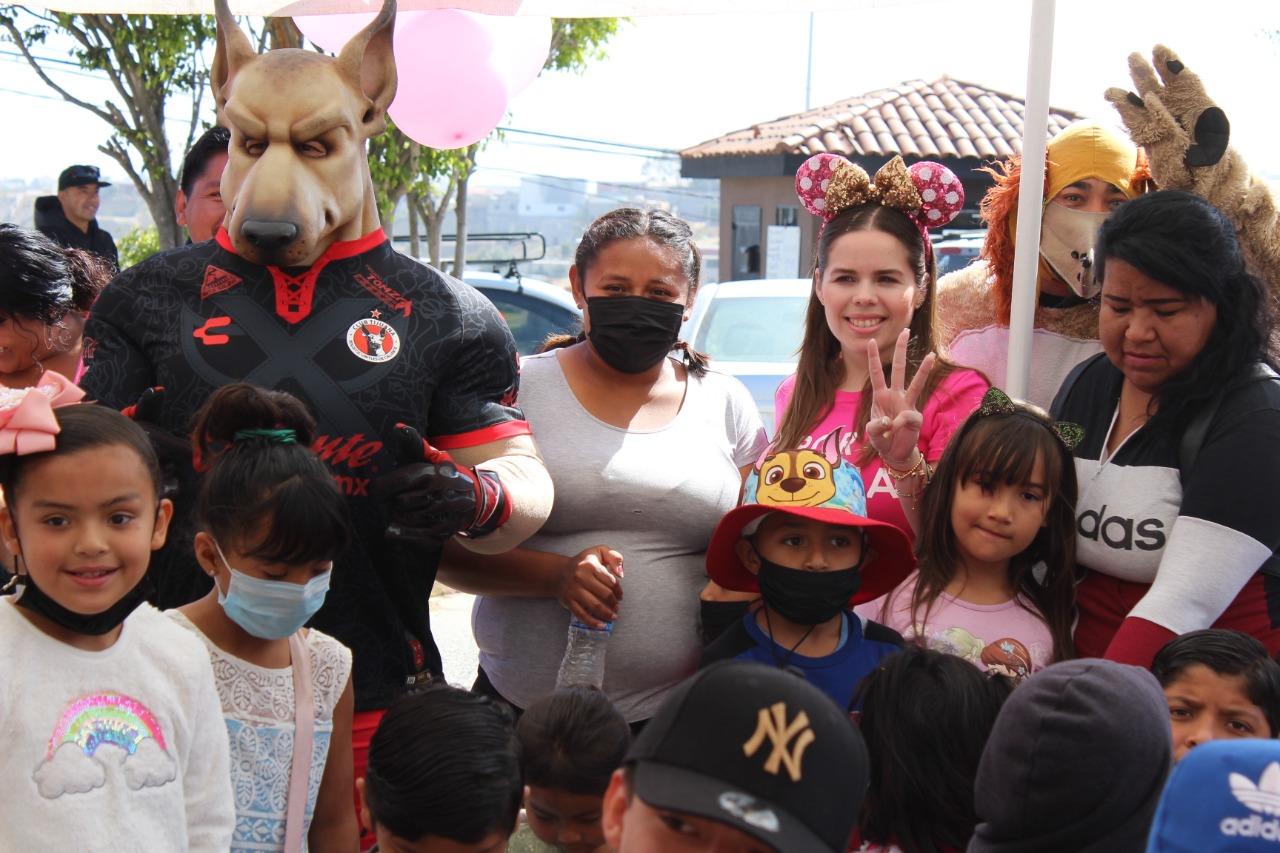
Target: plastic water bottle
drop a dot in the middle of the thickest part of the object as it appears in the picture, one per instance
(583, 664)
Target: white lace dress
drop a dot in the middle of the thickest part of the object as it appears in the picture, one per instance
(257, 704)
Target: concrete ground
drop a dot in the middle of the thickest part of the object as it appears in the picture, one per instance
(451, 627)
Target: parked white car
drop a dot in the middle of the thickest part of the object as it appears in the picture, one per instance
(751, 330)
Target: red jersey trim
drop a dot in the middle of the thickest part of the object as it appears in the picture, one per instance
(294, 294)
(476, 437)
(224, 240)
(336, 252)
(1137, 641)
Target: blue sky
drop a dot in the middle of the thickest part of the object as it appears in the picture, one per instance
(670, 82)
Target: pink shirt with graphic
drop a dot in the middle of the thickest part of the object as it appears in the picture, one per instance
(953, 400)
(1010, 638)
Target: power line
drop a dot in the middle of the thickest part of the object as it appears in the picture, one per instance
(670, 152)
(76, 68)
(562, 147)
(681, 192)
(608, 197)
(55, 60)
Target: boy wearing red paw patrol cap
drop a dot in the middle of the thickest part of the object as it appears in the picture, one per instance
(801, 539)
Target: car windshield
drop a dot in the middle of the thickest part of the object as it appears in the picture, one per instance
(763, 328)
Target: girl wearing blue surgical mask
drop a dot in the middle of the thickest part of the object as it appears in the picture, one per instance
(271, 523)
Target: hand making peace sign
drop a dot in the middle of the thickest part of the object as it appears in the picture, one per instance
(894, 426)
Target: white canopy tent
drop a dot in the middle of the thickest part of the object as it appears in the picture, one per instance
(1035, 124)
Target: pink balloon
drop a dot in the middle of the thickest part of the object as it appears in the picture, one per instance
(332, 32)
(449, 94)
(520, 47)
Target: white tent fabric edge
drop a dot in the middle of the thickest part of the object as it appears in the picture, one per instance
(542, 8)
(1026, 252)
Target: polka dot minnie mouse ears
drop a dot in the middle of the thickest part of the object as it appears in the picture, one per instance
(928, 193)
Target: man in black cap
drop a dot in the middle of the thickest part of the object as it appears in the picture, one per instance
(744, 758)
(68, 218)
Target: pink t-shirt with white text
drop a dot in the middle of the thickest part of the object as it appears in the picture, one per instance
(1010, 638)
(953, 400)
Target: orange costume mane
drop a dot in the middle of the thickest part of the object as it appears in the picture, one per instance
(999, 209)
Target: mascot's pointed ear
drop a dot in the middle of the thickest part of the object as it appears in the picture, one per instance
(368, 62)
(233, 51)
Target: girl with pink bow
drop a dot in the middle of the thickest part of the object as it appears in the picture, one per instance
(113, 728)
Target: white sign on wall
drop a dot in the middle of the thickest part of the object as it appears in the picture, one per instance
(783, 254)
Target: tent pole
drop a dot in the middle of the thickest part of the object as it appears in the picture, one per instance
(1026, 261)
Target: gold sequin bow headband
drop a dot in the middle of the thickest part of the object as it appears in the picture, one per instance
(928, 193)
(996, 402)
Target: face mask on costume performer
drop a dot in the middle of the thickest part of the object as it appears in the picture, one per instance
(807, 598)
(271, 610)
(1066, 243)
(631, 333)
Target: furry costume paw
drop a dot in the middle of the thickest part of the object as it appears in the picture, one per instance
(1170, 99)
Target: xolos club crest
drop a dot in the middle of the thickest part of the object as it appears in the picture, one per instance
(373, 340)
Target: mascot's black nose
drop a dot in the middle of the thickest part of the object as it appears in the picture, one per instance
(269, 236)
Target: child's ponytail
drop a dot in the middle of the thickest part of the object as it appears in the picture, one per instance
(266, 490)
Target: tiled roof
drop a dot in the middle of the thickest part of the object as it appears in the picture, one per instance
(945, 118)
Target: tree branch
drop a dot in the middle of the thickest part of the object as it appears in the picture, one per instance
(18, 40)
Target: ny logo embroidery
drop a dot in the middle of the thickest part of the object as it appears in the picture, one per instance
(772, 724)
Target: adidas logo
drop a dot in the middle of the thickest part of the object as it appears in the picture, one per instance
(1263, 797)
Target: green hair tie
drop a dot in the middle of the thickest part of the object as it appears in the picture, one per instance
(275, 436)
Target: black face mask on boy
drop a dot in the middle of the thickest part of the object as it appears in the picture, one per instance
(807, 598)
(631, 333)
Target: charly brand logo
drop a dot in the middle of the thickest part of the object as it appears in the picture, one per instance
(749, 810)
(1119, 532)
(1263, 797)
(373, 340)
(789, 740)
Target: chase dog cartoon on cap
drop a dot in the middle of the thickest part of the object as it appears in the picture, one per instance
(810, 477)
(297, 174)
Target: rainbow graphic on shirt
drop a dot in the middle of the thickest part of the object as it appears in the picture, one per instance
(101, 737)
(102, 718)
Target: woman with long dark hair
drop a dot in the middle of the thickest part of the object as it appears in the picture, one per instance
(1179, 469)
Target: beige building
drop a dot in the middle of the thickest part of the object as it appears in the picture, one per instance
(961, 125)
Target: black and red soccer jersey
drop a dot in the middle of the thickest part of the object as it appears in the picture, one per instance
(368, 338)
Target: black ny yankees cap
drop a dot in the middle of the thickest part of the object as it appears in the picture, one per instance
(759, 749)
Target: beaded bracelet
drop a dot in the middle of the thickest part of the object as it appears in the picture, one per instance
(915, 469)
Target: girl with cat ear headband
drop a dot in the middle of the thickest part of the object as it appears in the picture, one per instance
(872, 304)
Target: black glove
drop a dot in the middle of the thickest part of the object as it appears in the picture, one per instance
(431, 497)
(174, 451)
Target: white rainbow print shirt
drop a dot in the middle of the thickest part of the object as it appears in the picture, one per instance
(101, 734)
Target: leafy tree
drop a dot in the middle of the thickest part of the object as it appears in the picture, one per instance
(136, 245)
(577, 42)
(148, 59)
(426, 178)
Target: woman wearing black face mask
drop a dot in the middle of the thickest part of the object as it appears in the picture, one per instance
(646, 453)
